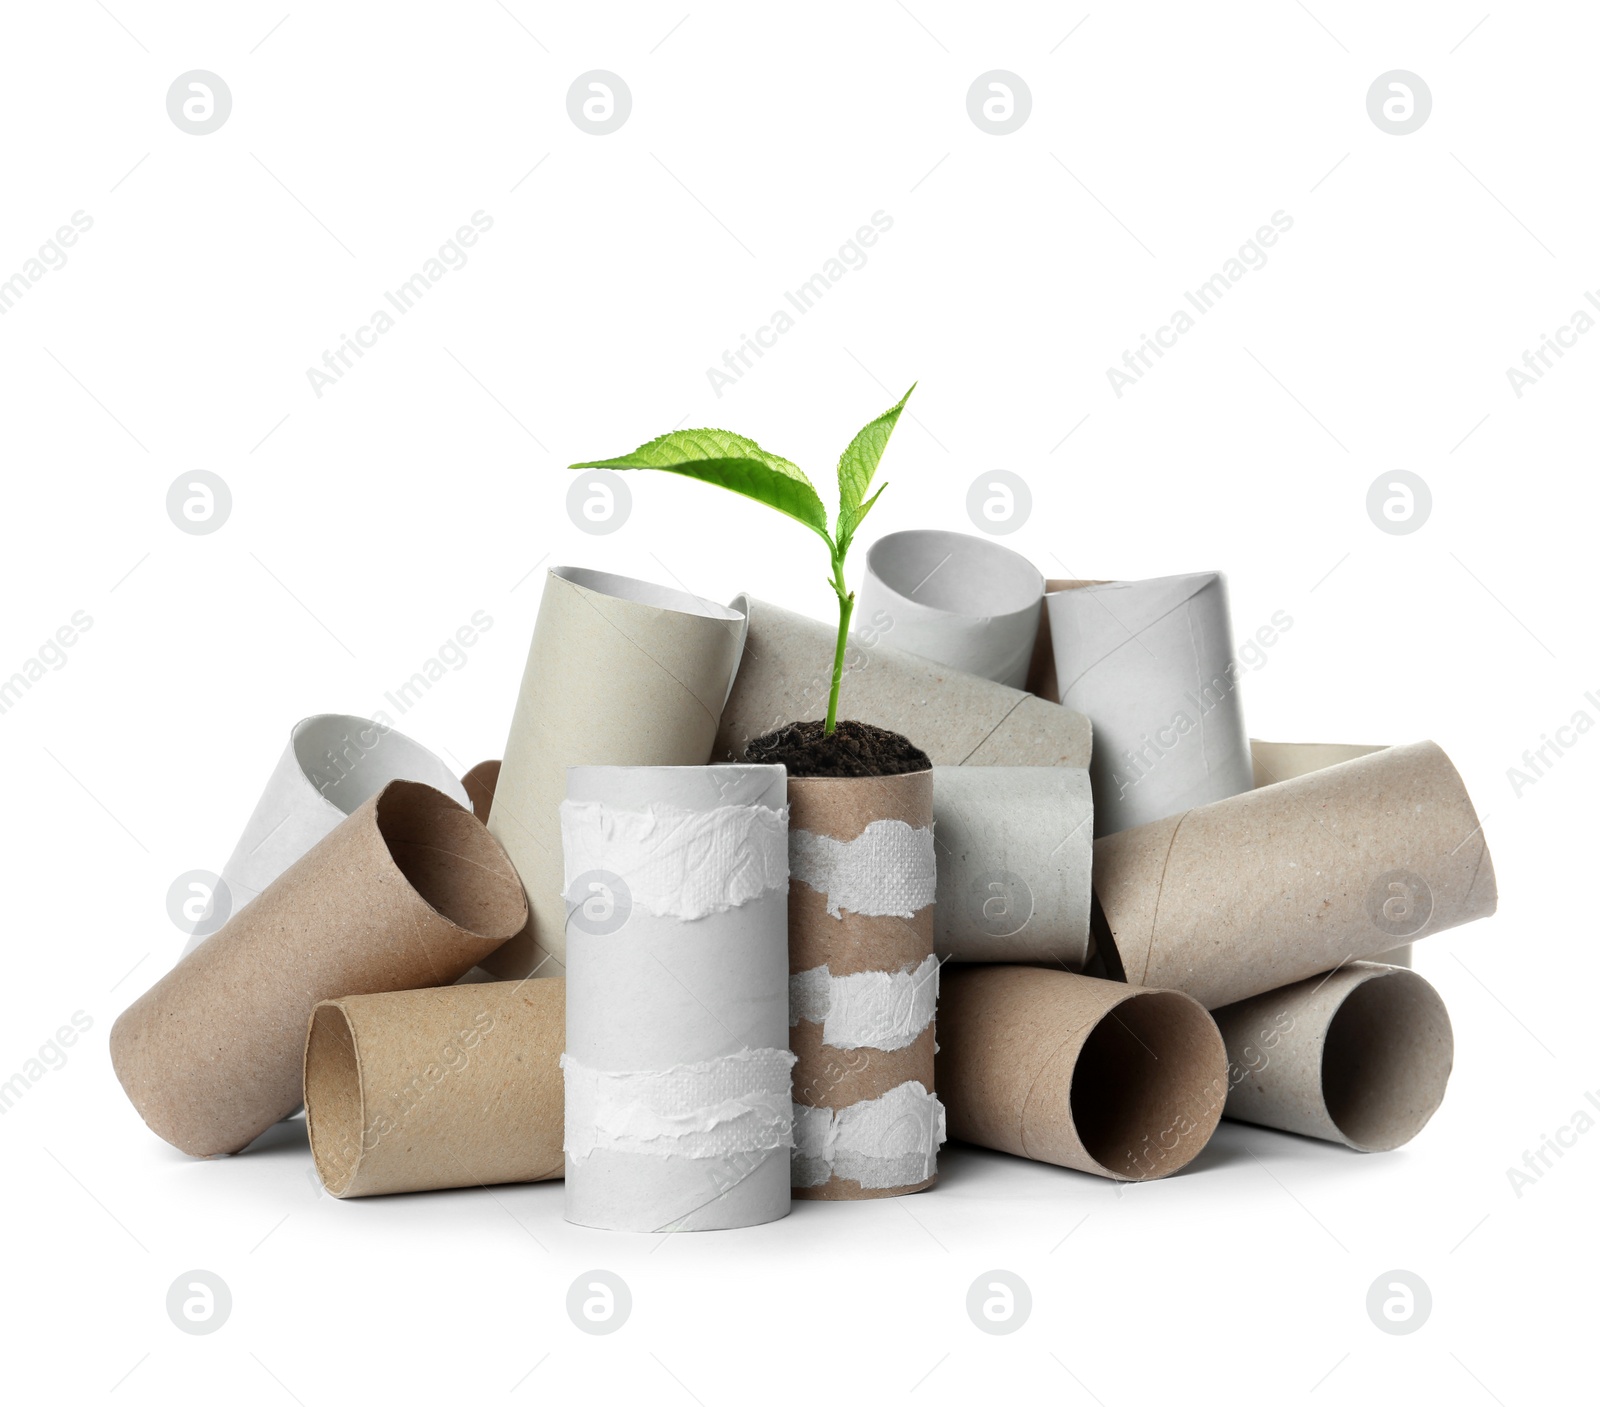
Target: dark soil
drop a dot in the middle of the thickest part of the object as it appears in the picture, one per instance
(851, 750)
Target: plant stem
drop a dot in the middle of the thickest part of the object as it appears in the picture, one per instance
(847, 601)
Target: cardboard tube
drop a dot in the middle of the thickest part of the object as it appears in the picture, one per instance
(409, 891)
(1280, 762)
(959, 600)
(439, 1087)
(1298, 878)
(1151, 663)
(333, 762)
(861, 897)
(1123, 1082)
(1360, 1057)
(620, 672)
(957, 719)
(1015, 849)
(479, 785)
(678, 1112)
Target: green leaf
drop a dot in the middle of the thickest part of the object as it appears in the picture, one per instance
(731, 462)
(859, 463)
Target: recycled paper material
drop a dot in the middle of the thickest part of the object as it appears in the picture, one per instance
(678, 1113)
(479, 785)
(1359, 1057)
(439, 1087)
(853, 940)
(1278, 762)
(959, 600)
(1151, 664)
(409, 891)
(955, 718)
(1015, 847)
(332, 764)
(1276, 885)
(1124, 1082)
(620, 672)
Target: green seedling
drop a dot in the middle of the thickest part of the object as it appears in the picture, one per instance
(734, 462)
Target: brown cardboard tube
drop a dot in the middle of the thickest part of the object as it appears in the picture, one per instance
(1360, 1057)
(957, 719)
(479, 784)
(855, 924)
(1278, 762)
(441, 1087)
(410, 890)
(1272, 886)
(1127, 1083)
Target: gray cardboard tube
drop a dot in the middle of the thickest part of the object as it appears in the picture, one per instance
(1280, 762)
(957, 719)
(1360, 1057)
(1152, 665)
(1014, 846)
(962, 601)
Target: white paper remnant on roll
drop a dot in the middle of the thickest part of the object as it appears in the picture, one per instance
(887, 870)
(880, 1010)
(890, 1141)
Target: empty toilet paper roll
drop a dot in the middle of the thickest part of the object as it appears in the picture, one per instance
(1359, 1057)
(408, 891)
(1276, 885)
(677, 1071)
(439, 1087)
(959, 600)
(479, 785)
(863, 985)
(620, 672)
(1279, 762)
(1151, 664)
(1015, 847)
(333, 763)
(956, 718)
(1124, 1082)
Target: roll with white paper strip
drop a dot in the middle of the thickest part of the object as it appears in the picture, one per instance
(879, 1144)
(863, 984)
(1152, 664)
(956, 599)
(333, 762)
(678, 1113)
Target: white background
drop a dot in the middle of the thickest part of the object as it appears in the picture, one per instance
(428, 483)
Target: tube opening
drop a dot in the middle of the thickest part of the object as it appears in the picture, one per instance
(1149, 1085)
(1386, 1060)
(335, 1117)
(956, 572)
(448, 856)
(348, 759)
